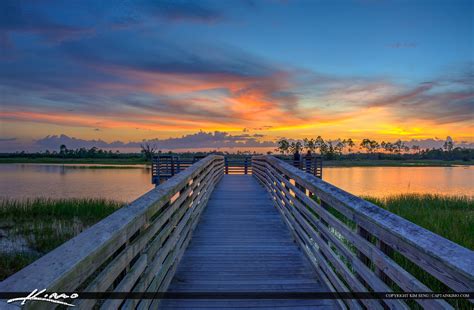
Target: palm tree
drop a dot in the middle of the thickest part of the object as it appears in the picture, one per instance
(309, 145)
(349, 143)
(369, 145)
(283, 146)
(295, 147)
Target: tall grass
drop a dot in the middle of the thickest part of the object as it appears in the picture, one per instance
(44, 224)
(449, 216)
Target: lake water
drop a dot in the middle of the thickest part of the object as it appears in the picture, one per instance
(59, 181)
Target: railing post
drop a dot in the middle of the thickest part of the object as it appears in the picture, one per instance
(385, 248)
(245, 165)
(364, 259)
(226, 165)
(308, 163)
(172, 166)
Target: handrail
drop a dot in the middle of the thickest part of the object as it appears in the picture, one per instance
(354, 244)
(137, 248)
(166, 166)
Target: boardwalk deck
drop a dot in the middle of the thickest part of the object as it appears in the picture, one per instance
(241, 244)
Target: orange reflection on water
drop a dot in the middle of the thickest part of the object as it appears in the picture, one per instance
(384, 181)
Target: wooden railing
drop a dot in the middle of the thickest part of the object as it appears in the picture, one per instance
(166, 166)
(311, 164)
(239, 165)
(135, 249)
(359, 247)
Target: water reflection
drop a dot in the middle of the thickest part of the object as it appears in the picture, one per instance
(383, 181)
(58, 181)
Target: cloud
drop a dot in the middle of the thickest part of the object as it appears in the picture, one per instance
(179, 10)
(437, 143)
(442, 101)
(199, 140)
(34, 17)
(216, 84)
(24, 17)
(7, 139)
(127, 65)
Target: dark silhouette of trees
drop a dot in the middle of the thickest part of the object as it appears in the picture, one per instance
(283, 146)
(295, 147)
(339, 149)
(370, 145)
(148, 151)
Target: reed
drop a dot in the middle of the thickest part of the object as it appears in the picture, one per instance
(449, 216)
(42, 224)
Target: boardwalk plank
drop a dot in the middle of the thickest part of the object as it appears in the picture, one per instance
(241, 244)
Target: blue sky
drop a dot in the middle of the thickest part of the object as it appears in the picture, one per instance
(133, 70)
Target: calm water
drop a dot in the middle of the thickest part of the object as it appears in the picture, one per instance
(59, 181)
(384, 181)
(33, 180)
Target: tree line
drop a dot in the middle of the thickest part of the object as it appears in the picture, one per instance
(328, 149)
(372, 149)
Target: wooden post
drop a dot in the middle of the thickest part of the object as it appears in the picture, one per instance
(226, 166)
(364, 259)
(245, 165)
(389, 252)
(172, 165)
(157, 169)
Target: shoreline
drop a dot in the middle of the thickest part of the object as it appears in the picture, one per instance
(97, 163)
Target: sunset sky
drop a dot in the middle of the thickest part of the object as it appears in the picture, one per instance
(254, 71)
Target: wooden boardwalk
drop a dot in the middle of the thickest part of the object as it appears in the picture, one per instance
(241, 244)
(206, 231)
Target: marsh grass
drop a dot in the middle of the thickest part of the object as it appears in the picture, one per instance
(449, 216)
(45, 224)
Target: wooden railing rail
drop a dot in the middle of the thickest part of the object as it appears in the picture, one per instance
(357, 246)
(135, 249)
(311, 164)
(165, 166)
(238, 165)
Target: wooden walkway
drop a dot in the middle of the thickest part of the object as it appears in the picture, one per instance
(204, 230)
(241, 244)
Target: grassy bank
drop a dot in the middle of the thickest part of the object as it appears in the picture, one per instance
(31, 228)
(449, 216)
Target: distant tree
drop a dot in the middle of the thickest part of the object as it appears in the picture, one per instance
(349, 143)
(295, 147)
(63, 150)
(148, 151)
(320, 145)
(370, 145)
(309, 145)
(92, 151)
(399, 146)
(448, 144)
(282, 146)
(339, 147)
